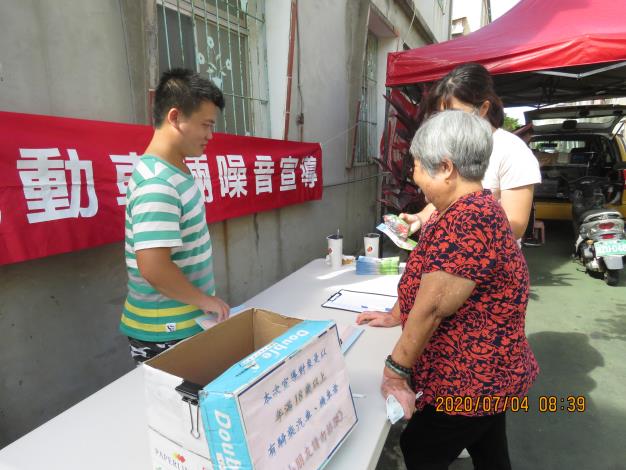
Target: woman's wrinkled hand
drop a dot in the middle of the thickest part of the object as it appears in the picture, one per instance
(394, 384)
(375, 318)
(414, 221)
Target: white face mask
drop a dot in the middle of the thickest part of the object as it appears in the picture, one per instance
(395, 412)
(394, 409)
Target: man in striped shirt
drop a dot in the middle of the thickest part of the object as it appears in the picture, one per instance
(168, 246)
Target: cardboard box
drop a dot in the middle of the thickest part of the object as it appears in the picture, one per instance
(259, 391)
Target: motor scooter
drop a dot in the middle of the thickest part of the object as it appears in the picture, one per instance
(601, 242)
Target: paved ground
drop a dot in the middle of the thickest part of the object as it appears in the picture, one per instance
(576, 326)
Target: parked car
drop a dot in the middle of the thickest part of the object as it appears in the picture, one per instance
(574, 142)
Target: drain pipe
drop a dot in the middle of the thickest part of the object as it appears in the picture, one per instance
(292, 39)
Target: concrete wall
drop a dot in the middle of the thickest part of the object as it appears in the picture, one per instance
(436, 16)
(476, 12)
(89, 59)
(68, 58)
(59, 315)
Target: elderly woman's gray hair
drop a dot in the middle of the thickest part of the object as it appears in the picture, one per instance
(463, 138)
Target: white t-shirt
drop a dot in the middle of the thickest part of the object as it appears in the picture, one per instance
(511, 165)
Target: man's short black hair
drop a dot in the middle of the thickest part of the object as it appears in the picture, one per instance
(185, 90)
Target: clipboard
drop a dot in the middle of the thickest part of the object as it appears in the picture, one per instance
(356, 301)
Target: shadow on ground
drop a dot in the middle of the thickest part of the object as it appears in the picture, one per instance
(590, 439)
(560, 440)
(549, 270)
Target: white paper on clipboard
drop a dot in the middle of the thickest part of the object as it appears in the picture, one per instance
(354, 301)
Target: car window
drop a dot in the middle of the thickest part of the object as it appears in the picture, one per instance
(579, 120)
(556, 146)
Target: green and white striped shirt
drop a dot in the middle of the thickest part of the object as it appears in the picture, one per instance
(164, 208)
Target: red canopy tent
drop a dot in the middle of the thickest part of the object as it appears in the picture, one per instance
(540, 52)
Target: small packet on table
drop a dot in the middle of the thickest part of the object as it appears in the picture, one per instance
(368, 265)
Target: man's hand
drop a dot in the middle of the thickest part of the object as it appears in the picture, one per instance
(157, 267)
(218, 306)
(395, 385)
(414, 221)
(374, 318)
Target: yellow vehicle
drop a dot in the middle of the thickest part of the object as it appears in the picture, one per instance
(576, 141)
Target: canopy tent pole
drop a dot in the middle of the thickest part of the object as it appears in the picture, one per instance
(584, 74)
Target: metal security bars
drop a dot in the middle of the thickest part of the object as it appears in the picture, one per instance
(366, 146)
(224, 41)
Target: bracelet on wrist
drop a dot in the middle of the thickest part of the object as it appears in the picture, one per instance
(405, 372)
(402, 374)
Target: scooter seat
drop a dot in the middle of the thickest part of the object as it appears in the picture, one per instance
(588, 215)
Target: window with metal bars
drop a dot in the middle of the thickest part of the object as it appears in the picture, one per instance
(366, 145)
(223, 40)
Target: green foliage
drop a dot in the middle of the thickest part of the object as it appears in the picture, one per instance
(510, 124)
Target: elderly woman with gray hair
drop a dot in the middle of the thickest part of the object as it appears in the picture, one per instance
(462, 304)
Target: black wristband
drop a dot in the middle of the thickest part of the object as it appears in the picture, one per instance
(407, 371)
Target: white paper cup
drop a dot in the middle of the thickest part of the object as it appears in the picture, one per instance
(371, 242)
(335, 250)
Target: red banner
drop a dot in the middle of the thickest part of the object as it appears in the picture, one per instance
(63, 181)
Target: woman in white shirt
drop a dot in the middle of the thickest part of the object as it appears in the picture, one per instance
(513, 169)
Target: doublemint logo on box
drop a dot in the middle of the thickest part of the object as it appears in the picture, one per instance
(227, 457)
(276, 347)
(272, 350)
(176, 460)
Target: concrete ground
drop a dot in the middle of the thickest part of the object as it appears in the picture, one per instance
(576, 326)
